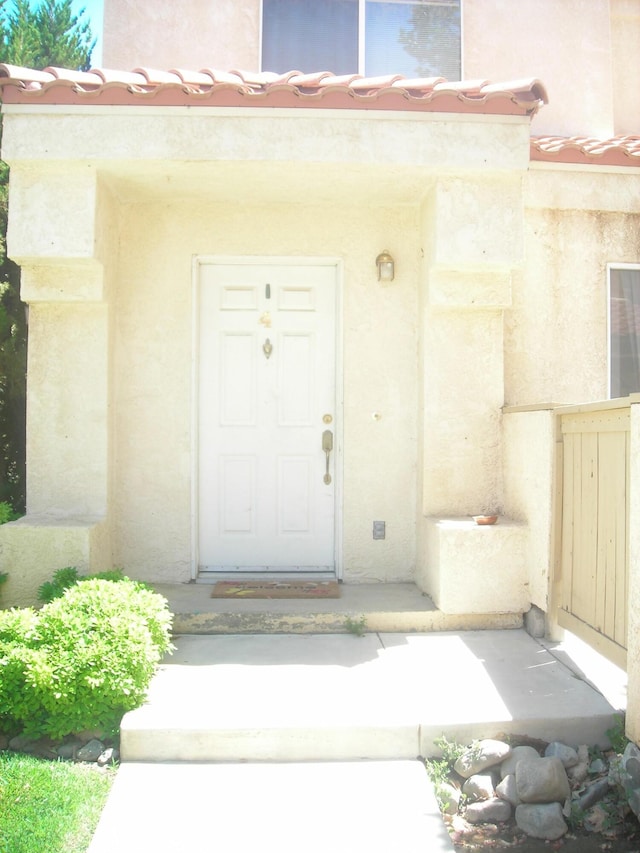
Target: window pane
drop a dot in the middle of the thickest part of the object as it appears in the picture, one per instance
(307, 35)
(624, 331)
(418, 39)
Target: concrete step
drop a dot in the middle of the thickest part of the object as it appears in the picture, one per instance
(392, 607)
(337, 697)
(200, 808)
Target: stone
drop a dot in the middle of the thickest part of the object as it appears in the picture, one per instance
(109, 756)
(579, 773)
(480, 756)
(479, 787)
(567, 754)
(508, 791)
(593, 794)
(91, 751)
(21, 743)
(541, 820)
(508, 766)
(488, 811)
(69, 750)
(542, 780)
(624, 771)
(449, 798)
(535, 622)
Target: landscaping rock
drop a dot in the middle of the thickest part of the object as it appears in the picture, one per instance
(449, 797)
(480, 756)
(488, 811)
(541, 820)
(109, 756)
(579, 773)
(479, 787)
(593, 794)
(508, 766)
(91, 751)
(508, 791)
(625, 772)
(68, 751)
(542, 780)
(567, 754)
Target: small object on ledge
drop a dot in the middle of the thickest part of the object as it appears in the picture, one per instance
(485, 519)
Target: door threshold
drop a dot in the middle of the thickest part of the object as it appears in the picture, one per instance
(214, 577)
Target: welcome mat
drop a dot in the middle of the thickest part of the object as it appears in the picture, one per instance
(276, 589)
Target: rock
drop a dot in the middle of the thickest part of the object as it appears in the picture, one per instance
(481, 755)
(4, 742)
(541, 820)
(479, 787)
(625, 772)
(535, 622)
(542, 780)
(90, 751)
(508, 791)
(597, 766)
(20, 743)
(69, 750)
(579, 773)
(566, 754)
(89, 734)
(508, 766)
(449, 798)
(593, 794)
(111, 755)
(488, 811)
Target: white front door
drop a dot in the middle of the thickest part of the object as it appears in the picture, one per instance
(267, 409)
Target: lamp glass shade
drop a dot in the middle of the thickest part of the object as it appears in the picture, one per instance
(386, 266)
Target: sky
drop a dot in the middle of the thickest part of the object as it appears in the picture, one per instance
(93, 13)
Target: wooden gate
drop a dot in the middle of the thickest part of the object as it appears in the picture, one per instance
(594, 553)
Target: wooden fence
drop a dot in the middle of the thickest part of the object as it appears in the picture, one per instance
(593, 464)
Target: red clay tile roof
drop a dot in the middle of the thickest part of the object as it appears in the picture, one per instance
(617, 151)
(212, 88)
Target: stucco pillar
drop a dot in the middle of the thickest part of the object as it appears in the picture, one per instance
(55, 214)
(473, 237)
(633, 599)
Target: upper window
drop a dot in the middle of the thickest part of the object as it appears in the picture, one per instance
(624, 330)
(415, 38)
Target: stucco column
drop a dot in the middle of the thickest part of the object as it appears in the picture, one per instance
(55, 217)
(473, 237)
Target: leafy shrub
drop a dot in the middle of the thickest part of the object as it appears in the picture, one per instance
(68, 577)
(81, 661)
(7, 512)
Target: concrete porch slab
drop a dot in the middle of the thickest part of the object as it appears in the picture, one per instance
(338, 697)
(206, 808)
(386, 607)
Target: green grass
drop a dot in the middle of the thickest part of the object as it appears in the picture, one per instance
(49, 805)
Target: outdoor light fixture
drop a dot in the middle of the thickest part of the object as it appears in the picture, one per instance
(386, 266)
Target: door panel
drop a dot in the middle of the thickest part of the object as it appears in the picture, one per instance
(266, 381)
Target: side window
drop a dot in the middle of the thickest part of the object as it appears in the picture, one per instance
(624, 330)
(415, 38)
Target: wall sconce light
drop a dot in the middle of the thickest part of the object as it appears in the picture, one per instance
(386, 266)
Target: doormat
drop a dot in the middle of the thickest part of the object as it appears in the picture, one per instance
(276, 589)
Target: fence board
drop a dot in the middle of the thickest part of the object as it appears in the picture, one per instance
(594, 529)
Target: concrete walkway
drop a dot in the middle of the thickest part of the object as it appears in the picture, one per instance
(309, 742)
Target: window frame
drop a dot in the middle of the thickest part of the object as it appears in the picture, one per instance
(614, 266)
(361, 40)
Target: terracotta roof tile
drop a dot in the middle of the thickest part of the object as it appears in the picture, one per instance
(616, 151)
(211, 87)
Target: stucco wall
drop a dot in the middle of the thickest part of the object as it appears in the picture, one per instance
(198, 34)
(556, 330)
(574, 46)
(152, 388)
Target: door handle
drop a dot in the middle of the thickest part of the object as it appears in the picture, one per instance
(327, 446)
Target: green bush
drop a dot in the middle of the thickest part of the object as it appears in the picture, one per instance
(81, 661)
(68, 577)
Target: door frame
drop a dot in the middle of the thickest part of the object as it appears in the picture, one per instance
(199, 261)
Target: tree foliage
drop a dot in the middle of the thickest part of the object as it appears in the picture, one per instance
(33, 37)
(48, 34)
